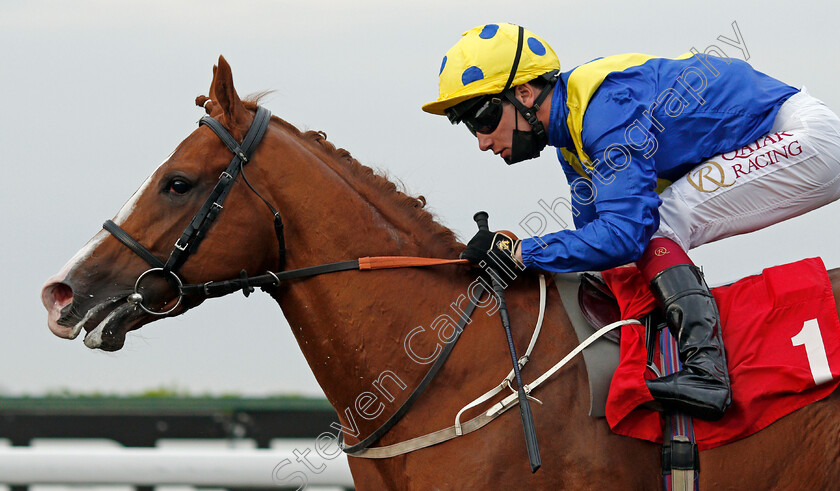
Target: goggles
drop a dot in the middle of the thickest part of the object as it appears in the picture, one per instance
(482, 116)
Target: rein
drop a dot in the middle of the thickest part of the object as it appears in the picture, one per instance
(213, 289)
(204, 218)
(200, 224)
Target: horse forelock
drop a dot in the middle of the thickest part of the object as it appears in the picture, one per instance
(415, 216)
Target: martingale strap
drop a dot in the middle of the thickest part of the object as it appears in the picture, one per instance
(441, 359)
(197, 228)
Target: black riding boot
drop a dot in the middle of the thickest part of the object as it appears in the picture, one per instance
(701, 388)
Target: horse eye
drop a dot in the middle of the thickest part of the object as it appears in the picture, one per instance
(179, 186)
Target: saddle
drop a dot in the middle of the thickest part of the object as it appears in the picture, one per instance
(780, 329)
(590, 305)
(782, 336)
(598, 304)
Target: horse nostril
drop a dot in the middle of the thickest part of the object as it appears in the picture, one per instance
(62, 295)
(56, 296)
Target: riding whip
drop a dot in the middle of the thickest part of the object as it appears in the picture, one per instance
(524, 405)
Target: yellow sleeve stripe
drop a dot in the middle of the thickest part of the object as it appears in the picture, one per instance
(573, 160)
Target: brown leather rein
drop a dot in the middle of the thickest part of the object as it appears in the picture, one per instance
(270, 279)
(204, 218)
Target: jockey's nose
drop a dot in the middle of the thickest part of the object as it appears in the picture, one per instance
(56, 296)
(484, 141)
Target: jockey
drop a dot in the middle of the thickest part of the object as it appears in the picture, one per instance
(661, 155)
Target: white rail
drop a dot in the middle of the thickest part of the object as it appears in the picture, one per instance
(156, 466)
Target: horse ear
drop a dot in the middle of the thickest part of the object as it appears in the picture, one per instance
(222, 91)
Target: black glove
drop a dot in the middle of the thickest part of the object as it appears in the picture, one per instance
(495, 249)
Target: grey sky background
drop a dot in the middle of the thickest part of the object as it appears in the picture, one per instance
(97, 93)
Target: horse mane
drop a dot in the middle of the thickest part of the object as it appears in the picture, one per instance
(411, 208)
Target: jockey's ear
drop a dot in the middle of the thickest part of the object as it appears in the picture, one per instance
(230, 111)
(526, 93)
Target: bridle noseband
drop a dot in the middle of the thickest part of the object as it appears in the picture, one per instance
(197, 229)
(200, 224)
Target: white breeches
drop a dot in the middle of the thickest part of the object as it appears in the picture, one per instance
(793, 170)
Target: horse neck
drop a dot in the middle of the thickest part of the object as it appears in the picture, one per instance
(351, 325)
(340, 210)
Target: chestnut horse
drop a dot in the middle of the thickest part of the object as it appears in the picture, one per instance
(353, 326)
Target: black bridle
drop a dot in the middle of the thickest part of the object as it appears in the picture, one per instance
(197, 230)
(198, 227)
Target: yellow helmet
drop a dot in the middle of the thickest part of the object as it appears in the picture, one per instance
(480, 63)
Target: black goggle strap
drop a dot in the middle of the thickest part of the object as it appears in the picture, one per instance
(197, 228)
(520, 38)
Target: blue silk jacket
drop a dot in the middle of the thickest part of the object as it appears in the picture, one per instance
(626, 126)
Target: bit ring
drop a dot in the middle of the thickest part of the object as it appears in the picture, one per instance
(136, 298)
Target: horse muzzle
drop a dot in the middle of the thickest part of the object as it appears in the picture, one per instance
(106, 319)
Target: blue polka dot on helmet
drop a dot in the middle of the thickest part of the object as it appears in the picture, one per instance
(471, 74)
(481, 61)
(488, 31)
(536, 46)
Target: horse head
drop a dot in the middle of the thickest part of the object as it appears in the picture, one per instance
(91, 290)
(158, 257)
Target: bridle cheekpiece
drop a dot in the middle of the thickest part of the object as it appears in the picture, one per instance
(198, 227)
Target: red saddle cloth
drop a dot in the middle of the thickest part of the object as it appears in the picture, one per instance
(782, 339)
